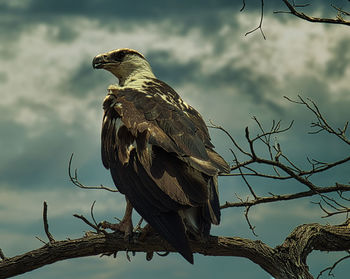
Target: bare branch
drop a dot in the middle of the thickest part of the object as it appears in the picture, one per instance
(243, 177)
(280, 162)
(261, 21)
(92, 213)
(281, 262)
(322, 123)
(298, 195)
(243, 6)
(246, 215)
(292, 10)
(86, 221)
(214, 126)
(331, 268)
(74, 179)
(46, 224)
(251, 144)
(341, 11)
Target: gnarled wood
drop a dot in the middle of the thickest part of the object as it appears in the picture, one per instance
(287, 261)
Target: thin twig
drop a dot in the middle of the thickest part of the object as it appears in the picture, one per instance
(293, 11)
(331, 268)
(138, 226)
(42, 241)
(298, 195)
(86, 221)
(243, 177)
(243, 6)
(246, 215)
(321, 123)
(46, 224)
(251, 144)
(92, 213)
(214, 126)
(341, 10)
(74, 179)
(259, 27)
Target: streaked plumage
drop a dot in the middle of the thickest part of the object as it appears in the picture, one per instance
(158, 151)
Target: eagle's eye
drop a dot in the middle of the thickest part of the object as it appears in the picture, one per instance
(118, 56)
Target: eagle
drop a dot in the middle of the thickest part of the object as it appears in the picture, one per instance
(159, 153)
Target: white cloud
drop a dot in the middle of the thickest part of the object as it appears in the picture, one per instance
(17, 4)
(40, 65)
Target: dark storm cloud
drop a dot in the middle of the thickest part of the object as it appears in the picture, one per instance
(340, 61)
(38, 161)
(250, 84)
(205, 15)
(107, 10)
(168, 69)
(84, 79)
(116, 15)
(123, 9)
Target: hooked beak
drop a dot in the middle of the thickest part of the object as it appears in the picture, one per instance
(99, 61)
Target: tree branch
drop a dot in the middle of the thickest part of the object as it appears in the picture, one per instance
(285, 261)
(74, 179)
(259, 27)
(338, 20)
(298, 195)
(46, 224)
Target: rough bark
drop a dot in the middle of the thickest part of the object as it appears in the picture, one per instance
(287, 261)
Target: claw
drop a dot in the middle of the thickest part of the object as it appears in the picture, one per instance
(125, 225)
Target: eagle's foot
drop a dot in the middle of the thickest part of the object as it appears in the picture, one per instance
(124, 226)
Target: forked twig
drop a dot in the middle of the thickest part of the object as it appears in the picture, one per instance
(86, 221)
(259, 27)
(331, 268)
(74, 179)
(292, 10)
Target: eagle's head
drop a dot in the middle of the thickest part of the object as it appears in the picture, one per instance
(124, 63)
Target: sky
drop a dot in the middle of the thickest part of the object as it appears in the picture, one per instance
(51, 106)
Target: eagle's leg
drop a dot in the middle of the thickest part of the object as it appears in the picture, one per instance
(125, 225)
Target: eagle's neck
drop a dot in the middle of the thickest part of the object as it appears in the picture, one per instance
(134, 75)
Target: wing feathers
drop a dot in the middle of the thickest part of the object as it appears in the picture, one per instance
(150, 202)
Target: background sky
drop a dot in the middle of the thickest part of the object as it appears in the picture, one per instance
(51, 106)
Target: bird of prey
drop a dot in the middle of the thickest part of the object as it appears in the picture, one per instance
(158, 150)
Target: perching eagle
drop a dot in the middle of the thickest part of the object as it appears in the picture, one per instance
(159, 153)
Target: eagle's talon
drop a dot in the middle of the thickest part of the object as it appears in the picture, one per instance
(124, 226)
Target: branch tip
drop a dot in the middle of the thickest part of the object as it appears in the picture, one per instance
(46, 224)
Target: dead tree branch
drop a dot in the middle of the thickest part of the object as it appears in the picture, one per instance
(285, 261)
(293, 10)
(46, 224)
(259, 27)
(282, 168)
(74, 179)
(331, 268)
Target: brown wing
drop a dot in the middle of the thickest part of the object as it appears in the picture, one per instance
(126, 129)
(195, 118)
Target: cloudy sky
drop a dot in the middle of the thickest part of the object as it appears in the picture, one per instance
(50, 106)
